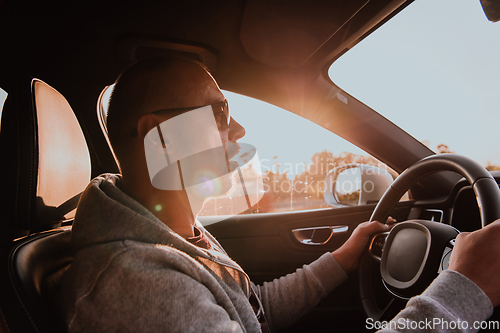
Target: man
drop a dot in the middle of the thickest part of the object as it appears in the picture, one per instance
(144, 263)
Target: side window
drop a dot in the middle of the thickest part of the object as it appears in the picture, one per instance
(104, 101)
(102, 113)
(3, 97)
(295, 156)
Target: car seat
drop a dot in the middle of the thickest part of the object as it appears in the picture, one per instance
(46, 166)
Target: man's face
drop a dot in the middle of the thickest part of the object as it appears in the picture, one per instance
(189, 146)
(191, 150)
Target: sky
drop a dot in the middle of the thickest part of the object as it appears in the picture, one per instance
(440, 82)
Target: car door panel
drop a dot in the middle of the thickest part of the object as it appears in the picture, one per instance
(265, 244)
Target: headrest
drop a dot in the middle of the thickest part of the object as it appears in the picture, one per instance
(46, 158)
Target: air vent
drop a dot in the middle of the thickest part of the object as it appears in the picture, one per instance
(432, 215)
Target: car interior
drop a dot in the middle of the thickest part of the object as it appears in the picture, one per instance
(56, 62)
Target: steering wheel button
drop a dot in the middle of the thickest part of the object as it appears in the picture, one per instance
(378, 245)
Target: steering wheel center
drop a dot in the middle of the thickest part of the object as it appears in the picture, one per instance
(412, 256)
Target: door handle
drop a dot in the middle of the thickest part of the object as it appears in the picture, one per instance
(318, 235)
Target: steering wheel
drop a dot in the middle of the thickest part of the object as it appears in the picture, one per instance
(401, 264)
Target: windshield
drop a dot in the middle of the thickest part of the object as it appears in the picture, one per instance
(433, 70)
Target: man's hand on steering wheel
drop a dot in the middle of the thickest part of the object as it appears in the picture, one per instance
(477, 256)
(349, 253)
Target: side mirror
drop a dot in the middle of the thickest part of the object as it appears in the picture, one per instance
(355, 184)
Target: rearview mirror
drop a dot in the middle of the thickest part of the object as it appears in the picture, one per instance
(355, 184)
(491, 10)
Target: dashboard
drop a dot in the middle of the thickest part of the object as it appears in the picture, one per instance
(459, 209)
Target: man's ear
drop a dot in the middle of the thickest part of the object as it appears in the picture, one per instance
(145, 124)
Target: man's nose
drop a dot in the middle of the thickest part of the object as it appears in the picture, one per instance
(236, 131)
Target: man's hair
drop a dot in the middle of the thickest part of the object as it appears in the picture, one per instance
(132, 89)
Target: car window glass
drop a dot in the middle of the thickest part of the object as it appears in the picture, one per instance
(102, 113)
(3, 97)
(433, 70)
(105, 95)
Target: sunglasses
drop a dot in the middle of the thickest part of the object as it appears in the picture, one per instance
(220, 110)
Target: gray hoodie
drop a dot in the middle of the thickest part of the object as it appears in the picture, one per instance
(131, 273)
